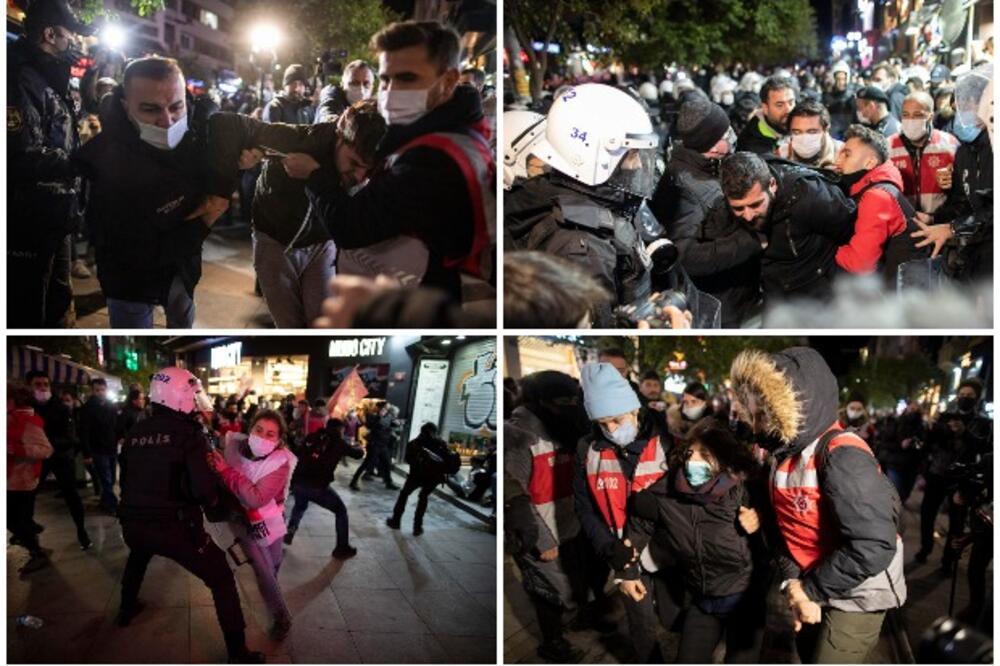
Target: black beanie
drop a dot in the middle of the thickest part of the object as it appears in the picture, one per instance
(701, 123)
(295, 73)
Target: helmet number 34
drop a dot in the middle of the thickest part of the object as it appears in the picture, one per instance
(577, 134)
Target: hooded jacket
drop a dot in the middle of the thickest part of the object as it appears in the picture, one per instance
(721, 255)
(422, 194)
(810, 218)
(758, 136)
(139, 198)
(879, 219)
(798, 400)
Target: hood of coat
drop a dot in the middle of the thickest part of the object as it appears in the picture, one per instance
(883, 173)
(794, 390)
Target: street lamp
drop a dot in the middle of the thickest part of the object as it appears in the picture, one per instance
(113, 37)
(264, 39)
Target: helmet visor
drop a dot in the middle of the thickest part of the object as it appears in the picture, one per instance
(636, 173)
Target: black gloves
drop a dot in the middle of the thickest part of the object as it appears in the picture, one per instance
(620, 556)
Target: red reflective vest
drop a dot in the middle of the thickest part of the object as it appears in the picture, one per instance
(919, 184)
(551, 483)
(810, 532)
(611, 489)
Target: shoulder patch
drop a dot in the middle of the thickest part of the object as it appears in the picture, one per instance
(14, 121)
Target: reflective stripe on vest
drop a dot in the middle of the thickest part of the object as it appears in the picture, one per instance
(937, 154)
(551, 481)
(471, 153)
(610, 488)
(809, 532)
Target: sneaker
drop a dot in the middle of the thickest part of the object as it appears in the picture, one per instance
(418, 530)
(127, 613)
(392, 522)
(560, 652)
(80, 270)
(289, 535)
(35, 562)
(280, 628)
(344, 552)
(84, 539)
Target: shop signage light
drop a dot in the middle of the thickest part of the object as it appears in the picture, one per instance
(227, 356)
(357, 347)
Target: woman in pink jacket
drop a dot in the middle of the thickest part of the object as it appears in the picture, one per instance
(27, 447)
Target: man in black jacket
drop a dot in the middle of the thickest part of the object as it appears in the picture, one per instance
(290, 105)
(435, 177)
(427, 456)
(801, 216)
(131, 413)
(319, 456)
(58, 420)
(762, 134)
(377, 456)
(293, 255)
(356, 84)
(45, 194)
(98, 418)
(721, 255)
(153, 201)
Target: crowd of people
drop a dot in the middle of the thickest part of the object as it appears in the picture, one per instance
(714, 513)
(198, 479)
(674, 198)
(370, 193)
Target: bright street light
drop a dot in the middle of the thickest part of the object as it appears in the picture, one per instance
(113, 36)
(264, 37)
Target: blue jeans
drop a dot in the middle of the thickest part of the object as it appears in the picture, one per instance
(326, 498)
(179, 309)
(104, 465)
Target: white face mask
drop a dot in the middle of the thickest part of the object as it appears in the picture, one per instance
(164, 139)
(693, 413)
(807, 146)
(914, 128)
(855, 413)
(261, 447)
(402, 107)
(42, 395)
(861, 118)
(356, 93)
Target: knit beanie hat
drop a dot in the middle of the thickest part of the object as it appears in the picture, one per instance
(701, 123)
(295, 73)
(605, 392)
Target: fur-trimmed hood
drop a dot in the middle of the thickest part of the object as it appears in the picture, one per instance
(794, 388)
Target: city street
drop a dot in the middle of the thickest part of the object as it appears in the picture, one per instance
(224, 297)
(401, 599)
(928, 595)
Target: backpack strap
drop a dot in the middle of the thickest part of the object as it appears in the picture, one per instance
(909, 212)
(448, 143)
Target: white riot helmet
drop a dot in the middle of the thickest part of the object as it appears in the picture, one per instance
(970, 90)
(841, 66)
(175, 389)
(986, 109)
(523, 130)
(666, 87)
(591, 130)
(201, 400)
(648, 92)
(751, 82)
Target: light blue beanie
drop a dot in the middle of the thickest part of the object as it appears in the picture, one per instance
(605, 392)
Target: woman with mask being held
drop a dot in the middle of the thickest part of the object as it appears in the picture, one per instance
(257, 468)
(700, 512)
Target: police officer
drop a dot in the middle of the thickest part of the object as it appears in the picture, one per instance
(165, 482)
(45, 195)
(601, 147)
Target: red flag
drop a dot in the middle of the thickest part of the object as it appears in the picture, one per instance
(350, 392)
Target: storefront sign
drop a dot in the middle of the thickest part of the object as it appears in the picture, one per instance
(357, 347)
(432, 382)
(227, 356)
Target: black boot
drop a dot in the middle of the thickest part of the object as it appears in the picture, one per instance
(238, 651)
(289, 535)
(344, 552)
(84, 539)
(392, 522)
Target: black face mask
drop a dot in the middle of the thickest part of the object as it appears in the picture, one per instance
(848, 180)
(966, 404)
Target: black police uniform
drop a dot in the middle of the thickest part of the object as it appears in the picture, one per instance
(165, 481)
(426, 455)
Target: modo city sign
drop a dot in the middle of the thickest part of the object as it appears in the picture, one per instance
(357, 347)
(227, 356)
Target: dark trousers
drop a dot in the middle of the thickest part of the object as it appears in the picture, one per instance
(63, 468)
(642, 621)
(936, 490)
(40, 292)
(377, 462)
(105, 466)
(903, 479)
(328, 499)
(188, 545)
(412, 483)
(744, 636)
(21, 518)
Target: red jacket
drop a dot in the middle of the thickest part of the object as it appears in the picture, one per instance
(879, 219)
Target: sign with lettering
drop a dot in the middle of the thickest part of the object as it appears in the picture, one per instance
(357, 347)
(227, 356)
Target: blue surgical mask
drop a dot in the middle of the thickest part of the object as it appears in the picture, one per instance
(623, 434)
(967, 126)
(698, 472)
